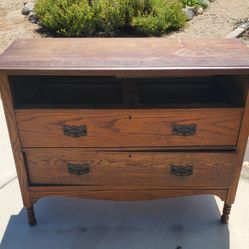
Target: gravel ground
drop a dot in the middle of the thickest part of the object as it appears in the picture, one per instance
(13, 24)
(217, 21)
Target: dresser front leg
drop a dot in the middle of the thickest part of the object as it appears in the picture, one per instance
(31, 216)
(225, 213)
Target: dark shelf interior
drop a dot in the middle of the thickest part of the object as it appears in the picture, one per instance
(111, 92)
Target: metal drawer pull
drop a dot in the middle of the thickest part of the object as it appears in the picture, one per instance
(75, 131)
(181, 170)
(78, 169)
(184, 130)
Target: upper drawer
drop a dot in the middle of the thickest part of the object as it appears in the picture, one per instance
(129, 128)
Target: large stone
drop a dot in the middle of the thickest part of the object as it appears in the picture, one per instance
(27, 8)
(189, 12)
(32, 17)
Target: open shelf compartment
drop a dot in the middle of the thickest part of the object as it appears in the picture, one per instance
(111, 92)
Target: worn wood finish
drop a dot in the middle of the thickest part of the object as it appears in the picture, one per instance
(50, 166)
(126, 57)
(31, 216)
(121, 194)
(128, 154)
(157, 149)
(15, 140)
(129, 128)
(225, 213)
(242, 142)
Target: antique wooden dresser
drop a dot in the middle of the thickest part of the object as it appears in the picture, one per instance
(126, 118)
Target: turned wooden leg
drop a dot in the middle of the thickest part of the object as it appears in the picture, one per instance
(225, 213)
(31, 216)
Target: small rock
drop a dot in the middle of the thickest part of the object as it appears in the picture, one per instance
(189, 12)
(246, 164)
(27, 8)
(199, 10)
(245, 170)
(32, 17)
(101, 33)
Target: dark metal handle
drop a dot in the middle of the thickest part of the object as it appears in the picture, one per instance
(75, 131)
(181, 170)
(78, 169)
(184, 130)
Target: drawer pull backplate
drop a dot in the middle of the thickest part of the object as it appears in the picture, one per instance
(78, 169)
(75, 131)
(184, 130)
(181, 170)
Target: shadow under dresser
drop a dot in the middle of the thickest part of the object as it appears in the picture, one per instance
(126, 118)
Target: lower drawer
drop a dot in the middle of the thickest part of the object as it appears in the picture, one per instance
(174, 170)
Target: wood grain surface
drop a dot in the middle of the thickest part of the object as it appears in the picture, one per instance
(129, 128)
(120, 194)
(115, 169)
(132, 153)
(15, 140)
(242, 144)
(126, 56)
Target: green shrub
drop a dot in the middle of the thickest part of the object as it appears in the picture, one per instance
(161, 17)
(194, 3)
(110, 17)
(66, 17)
(141, 6)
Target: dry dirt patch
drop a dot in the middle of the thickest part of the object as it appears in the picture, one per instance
(13, 24)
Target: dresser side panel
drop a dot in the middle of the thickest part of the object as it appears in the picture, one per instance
(15, 139)
(242, 142)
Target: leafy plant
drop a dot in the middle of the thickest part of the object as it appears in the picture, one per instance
(66, 17)
(194, 3)
(160, 18)
(110, 17)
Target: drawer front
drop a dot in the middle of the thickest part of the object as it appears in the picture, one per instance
(131, 169)
(129, 128)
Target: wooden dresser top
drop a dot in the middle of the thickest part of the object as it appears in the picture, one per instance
(126, 56)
